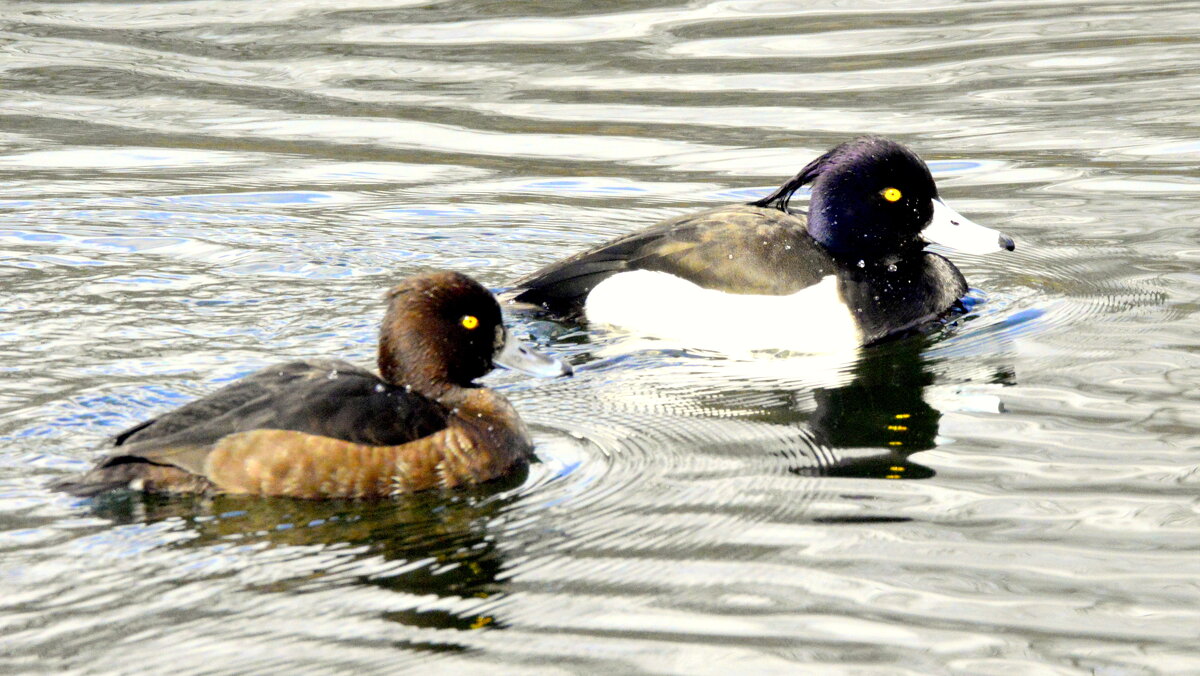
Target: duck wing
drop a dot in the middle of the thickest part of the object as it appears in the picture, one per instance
(254, 387)
(326, 398)
(739, 249)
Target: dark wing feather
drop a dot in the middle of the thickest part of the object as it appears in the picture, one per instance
(266, 382)
(740, 249)
(321, 397)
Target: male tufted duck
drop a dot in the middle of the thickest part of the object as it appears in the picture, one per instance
(324, 428)
(849, 272)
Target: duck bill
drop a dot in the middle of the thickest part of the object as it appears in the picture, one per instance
(518, 356)
(949, 228)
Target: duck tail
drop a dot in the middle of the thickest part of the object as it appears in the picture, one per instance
(101, 480)
(130, 472)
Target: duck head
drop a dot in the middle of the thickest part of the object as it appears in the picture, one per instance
(873, 198)
(444, 330)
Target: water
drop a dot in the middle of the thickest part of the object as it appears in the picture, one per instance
(191, 190)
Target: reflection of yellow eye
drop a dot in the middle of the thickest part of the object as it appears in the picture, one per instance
(469, 322)
(891, 195)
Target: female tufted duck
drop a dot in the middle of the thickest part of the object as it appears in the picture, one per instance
(849, 272)
(325, 428)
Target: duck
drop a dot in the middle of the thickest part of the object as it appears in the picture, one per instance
(851, 271)
(326, 428)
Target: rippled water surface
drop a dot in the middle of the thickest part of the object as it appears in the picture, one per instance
(191, 190)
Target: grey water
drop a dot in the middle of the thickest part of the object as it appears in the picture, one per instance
(190, 190)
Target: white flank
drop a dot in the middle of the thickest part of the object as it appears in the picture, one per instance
(813, 320)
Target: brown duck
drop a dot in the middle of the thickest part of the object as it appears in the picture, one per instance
(324, 428)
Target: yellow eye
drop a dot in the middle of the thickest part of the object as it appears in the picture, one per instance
(892, 195)
(469, 322)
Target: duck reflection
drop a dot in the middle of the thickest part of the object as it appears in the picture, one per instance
(861, 414)
(881, 408)
(437, 543)
(884, 414)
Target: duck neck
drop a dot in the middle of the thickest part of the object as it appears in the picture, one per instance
(415, 373)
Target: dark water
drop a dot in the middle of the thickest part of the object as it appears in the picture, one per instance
(190, 190)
